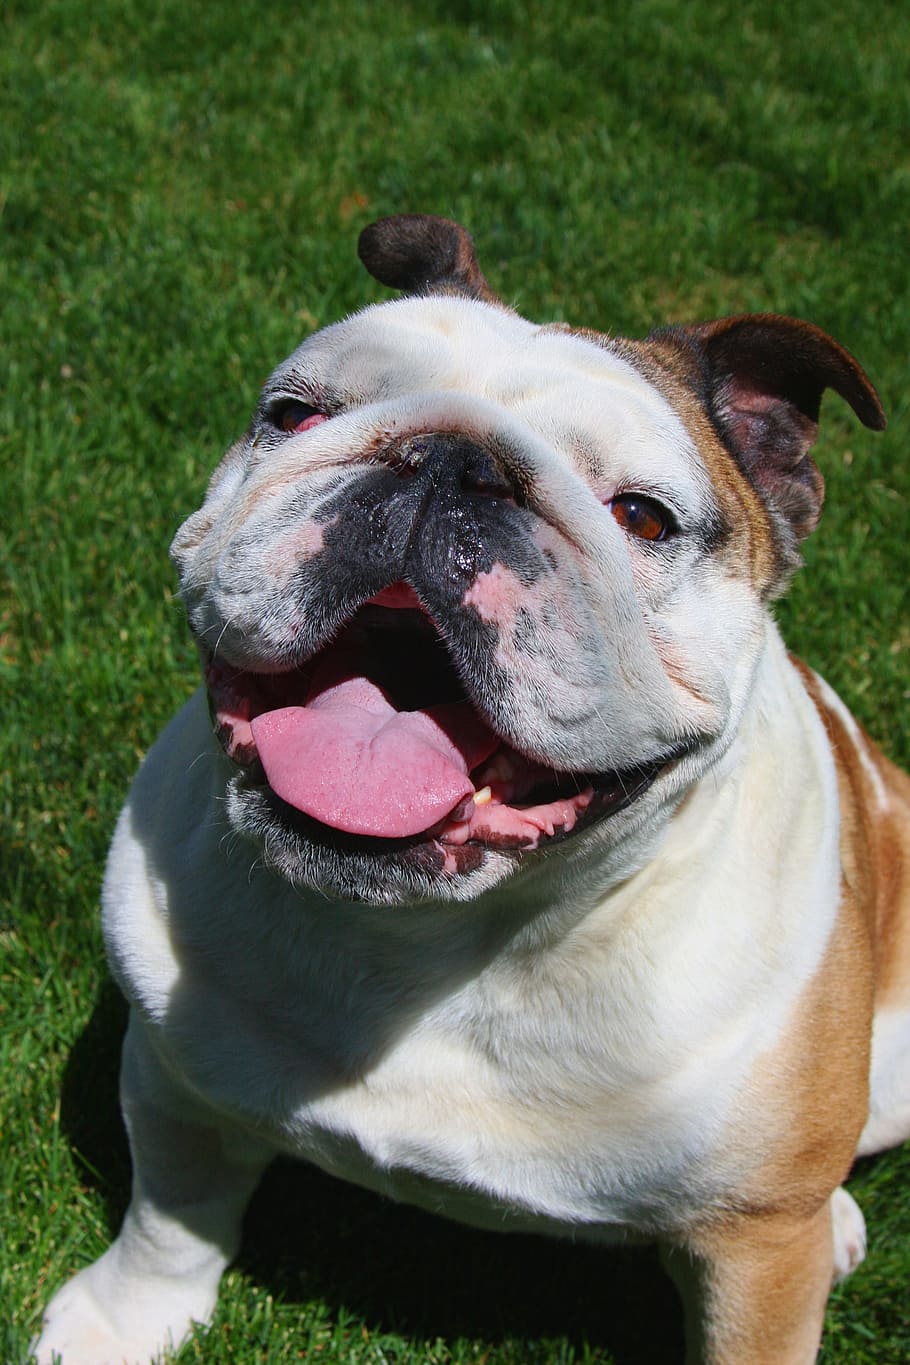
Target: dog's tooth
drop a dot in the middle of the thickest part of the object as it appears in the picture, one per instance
(483, 797)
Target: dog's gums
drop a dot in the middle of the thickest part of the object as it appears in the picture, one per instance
(375, 737)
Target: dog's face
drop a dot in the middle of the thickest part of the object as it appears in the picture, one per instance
(472, 592)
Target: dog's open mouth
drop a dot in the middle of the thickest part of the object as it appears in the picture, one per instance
(375, 738)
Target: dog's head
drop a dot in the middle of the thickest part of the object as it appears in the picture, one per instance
(471, 590)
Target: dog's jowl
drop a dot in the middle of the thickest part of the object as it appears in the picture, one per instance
(506, 863)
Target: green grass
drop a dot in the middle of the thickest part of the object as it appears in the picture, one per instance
(181, 190)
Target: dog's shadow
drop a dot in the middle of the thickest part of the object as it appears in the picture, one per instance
(308, 1235)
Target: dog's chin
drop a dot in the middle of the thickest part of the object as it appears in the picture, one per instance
(354, 867)
(380, 871)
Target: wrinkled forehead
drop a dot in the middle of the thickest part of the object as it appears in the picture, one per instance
(584, 397)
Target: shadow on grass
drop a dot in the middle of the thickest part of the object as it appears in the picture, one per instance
(308, 1235)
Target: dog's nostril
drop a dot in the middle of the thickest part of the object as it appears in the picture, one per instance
(482, 475)
(409, 456)
(451, 459)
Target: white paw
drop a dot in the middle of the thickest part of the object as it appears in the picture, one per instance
(84, 1325)
(849, 1233)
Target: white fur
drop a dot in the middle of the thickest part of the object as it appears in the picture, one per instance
(849, 1234)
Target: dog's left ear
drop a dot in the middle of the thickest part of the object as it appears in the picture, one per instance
(762, 377)
(421, 254)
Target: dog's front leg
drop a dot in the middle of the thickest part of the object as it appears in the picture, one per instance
(192, 1178)
(755, 1288)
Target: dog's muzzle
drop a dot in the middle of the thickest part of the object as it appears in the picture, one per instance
(425, 697)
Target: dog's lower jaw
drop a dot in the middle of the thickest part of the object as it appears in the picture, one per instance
(397, 873)
(401, 872)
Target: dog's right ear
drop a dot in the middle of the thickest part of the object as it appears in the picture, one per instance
(762, 377)
(421, 254)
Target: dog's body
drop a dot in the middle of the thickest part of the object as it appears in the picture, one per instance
(594, 944)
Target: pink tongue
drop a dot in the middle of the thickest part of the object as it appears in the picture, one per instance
(350, 760)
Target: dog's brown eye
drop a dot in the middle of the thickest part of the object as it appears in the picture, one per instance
(294, 417)
(641, 516)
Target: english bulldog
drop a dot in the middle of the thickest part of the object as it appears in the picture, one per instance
(506, 863)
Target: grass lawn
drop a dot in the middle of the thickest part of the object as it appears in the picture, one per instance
(181, 188)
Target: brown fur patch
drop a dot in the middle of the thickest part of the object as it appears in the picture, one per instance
(748, 550)
(756, 1290)
(809, 1095)
(875, 842)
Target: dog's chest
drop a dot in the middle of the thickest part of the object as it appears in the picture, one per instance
(523, 1140)
(521, 1099)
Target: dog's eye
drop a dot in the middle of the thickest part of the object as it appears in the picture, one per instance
(292, 416)
(642, 516)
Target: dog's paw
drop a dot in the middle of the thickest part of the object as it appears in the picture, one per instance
(849, 1234)
(83, 1325)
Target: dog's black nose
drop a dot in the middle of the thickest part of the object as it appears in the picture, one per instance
(433, 511)
(450, 460)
